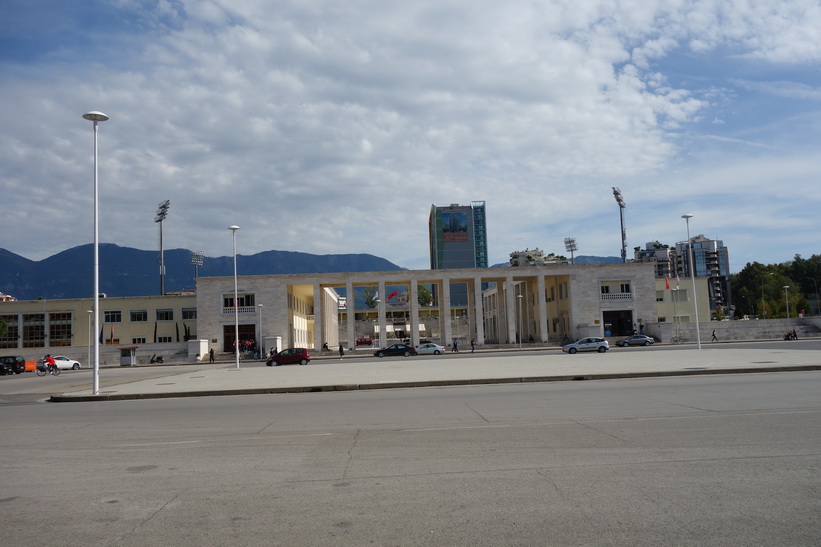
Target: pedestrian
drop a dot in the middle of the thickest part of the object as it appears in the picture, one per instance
(641, 328)
(794, 335)
(341, 352)
(455, 348)
(472, 345)
(715, 338)
(211, 355)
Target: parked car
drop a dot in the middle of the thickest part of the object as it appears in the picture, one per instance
(12, 364)
(587, 344)
(396, 349)
(64, 363)
(429, 348)
(290, 356)
(635, 340)
(366, 341)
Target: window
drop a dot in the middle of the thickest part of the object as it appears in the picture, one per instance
(625, 287)
(659, 296)
(243, 299)
(139, 316)
(605, 289)
(113, 316)
(679, 295)
(163, 339)
(59, 326)
(189, 313)
(34, 330)
(165, 315)
(9, 339)
(138, 340)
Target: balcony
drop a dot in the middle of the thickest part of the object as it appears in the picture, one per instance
(616, 297)
(243, 310)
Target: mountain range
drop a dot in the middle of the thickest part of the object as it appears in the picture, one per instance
(125, 271)
(132, 272)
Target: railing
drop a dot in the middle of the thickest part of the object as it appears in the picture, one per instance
(245, 310)
(615, 297)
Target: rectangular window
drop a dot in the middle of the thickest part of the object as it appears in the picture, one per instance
(625, 287)
(163, 339)
(189, 314)
(34, 330)
(605, 289)
(113, 316)
(9, 339)
(138, 340)
(59, 326)
(679, 295)
(245, 300)
(659, 296)
(165, 315)
(139, 316)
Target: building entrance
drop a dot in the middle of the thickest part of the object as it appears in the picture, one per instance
(618, 323)
(246, 333)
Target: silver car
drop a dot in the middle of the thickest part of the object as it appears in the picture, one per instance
(591, 343)
(435, 349)
(635, 340)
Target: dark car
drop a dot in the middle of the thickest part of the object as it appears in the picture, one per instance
(396, 349)
(635, 340)
(12, 364)
(290, 356)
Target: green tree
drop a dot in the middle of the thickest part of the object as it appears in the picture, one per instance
(424, 295)
(370, 296)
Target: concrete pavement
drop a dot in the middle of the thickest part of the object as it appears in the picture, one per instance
(364, 372)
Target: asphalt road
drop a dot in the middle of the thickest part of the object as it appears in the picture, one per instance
(724, 460)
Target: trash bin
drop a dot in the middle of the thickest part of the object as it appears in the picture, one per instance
(128, 356)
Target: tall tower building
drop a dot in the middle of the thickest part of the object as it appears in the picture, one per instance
(711, 260)
(458, 236)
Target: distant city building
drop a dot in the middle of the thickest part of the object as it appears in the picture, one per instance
(6, 297)
(534, 257)
(458, 236)
(657, 253)
(711, 260)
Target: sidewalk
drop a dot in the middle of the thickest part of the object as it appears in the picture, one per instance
(328, 374)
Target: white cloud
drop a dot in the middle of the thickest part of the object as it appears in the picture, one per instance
(331, 127)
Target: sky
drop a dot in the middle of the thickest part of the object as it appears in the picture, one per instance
(331, 127)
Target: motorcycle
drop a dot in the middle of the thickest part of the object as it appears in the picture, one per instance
(156, 359)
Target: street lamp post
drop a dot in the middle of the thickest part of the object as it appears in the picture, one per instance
(90, 313)
(236, 295)
(787, 299)
(96, 117)
(521, 334)
(687, 218)
(261, 341)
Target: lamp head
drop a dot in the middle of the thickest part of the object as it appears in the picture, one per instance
(687, 216)
(233, 228)
(95, 116)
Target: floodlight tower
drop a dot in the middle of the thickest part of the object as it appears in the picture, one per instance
(620, 201)
(570, 246)
(196, 261)
(162, 212)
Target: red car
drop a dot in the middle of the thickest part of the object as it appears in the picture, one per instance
(367, 341)
(290, 356)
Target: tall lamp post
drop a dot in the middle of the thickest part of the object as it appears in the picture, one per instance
(162, 212)
(521, 334)
(787, 299)
(570, 247)
(96, 117)
(687, 218)
(90, 312)
(236, 295)
(261, 341)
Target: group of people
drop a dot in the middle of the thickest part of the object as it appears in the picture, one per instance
(791, 335)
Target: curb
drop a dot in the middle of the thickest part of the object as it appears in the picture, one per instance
(424, 383)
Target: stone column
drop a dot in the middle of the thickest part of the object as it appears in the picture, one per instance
(541, 307)
(351, 313)
(413, 297)
(383, 330)
(510, 310)
(478, 311)
(444, 310)
(318, 305)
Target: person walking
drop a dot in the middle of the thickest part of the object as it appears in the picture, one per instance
(472, 345)
(455, 348)
(341, 351)
(715, 338)
(211, 355)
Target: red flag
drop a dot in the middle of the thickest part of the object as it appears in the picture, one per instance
(393, 294)
(666, 282)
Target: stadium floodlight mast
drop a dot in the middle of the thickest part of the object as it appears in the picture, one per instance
(96, 117)
(196, 261)
(162, 212)
(622, 205)
(570, 247)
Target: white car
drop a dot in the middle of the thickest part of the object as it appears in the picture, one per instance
(430, 348)
(592, 343)
(64, 363)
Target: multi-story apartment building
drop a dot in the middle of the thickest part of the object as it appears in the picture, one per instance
(458, 236)
(711, 260)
